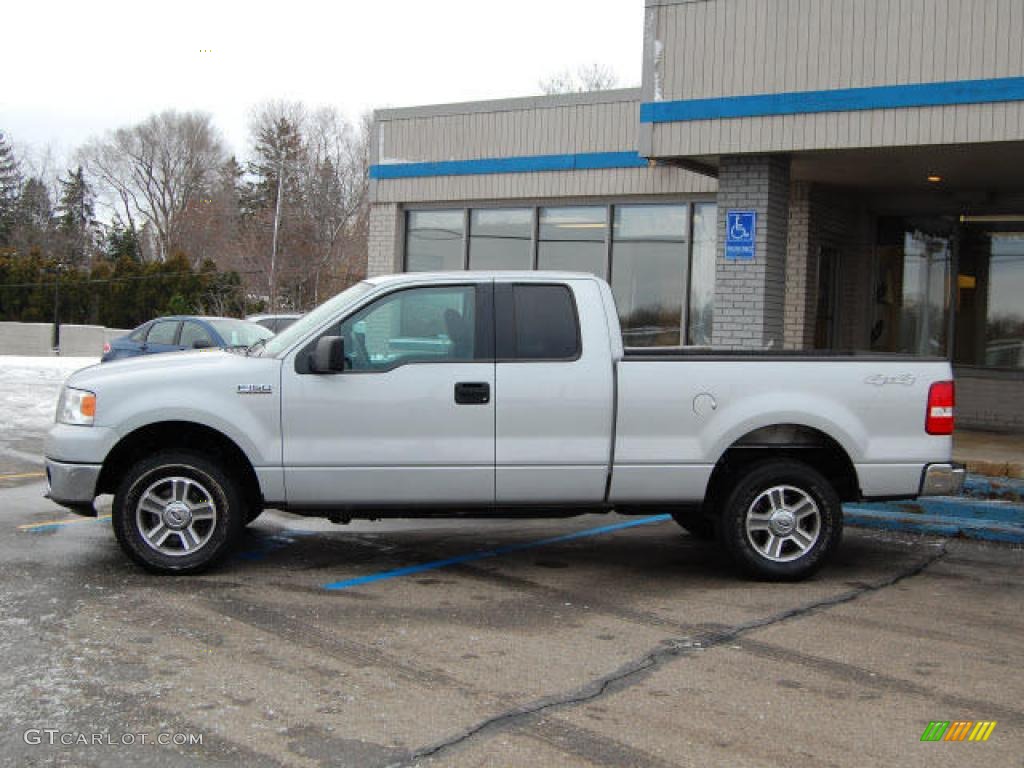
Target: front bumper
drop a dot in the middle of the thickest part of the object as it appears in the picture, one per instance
(942, 480)
(72, 485)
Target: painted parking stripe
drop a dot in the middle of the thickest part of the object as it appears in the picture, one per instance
(54, 524)
(488, 553)
(21, 475)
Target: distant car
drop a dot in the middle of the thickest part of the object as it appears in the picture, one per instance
(172, 334)
(276, 323)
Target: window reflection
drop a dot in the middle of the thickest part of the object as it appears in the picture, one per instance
(702, 273)
(649, 273)
(500, 238)
(434, 241)
(573, 239)
(990, 299)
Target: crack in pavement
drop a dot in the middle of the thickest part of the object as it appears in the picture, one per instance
(632, 672)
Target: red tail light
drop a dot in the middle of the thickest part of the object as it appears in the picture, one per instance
(106, 347)
(941, 399)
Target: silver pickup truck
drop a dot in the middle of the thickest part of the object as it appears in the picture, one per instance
(503, 394)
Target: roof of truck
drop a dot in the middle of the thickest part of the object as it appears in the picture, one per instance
(480, 276)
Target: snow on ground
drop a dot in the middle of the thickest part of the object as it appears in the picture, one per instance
(29, 387)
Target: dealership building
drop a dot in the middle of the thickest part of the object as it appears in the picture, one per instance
(791, 174)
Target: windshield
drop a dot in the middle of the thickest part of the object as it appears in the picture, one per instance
(239, 333)
(310, 321)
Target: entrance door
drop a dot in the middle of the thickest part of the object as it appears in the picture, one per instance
(411, 419)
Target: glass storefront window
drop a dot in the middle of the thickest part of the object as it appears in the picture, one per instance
(501, 238)
(573, 239)
(911, 290)
(649, 266)
(702, 274)
(990, 298)
(434, 241)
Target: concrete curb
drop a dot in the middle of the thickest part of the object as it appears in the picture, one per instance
(991, 509)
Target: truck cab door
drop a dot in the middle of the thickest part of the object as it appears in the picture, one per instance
(411, 418)
(555, 393)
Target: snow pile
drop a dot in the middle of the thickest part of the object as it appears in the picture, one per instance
(29, 387)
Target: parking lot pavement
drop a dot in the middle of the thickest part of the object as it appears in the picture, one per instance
(631, 646)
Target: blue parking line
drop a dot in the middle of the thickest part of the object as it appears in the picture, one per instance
(488, 553)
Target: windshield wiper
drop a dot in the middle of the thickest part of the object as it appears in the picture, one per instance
(254, 346)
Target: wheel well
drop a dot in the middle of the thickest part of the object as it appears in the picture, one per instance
(793, 441)
(179, 434)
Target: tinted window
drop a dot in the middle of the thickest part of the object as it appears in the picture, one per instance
(434, 240)
(417, 325)
(139, 334)
(501, 238)
(649, 250)
(191, 332)
(573, 239)
(162, 332)
(544, 324)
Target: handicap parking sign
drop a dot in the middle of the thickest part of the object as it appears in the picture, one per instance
(740, 228)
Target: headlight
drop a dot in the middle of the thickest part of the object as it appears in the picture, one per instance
(76, 406)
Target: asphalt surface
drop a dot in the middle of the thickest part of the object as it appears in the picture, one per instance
(636, 646)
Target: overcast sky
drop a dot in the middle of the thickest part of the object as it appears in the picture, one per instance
(77, 69)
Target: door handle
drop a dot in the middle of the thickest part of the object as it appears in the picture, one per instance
(472, 393)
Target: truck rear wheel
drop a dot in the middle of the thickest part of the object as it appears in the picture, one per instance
(781, 521)
(177, 512)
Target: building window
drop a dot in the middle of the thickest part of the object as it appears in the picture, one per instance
(990, 310)
(912, 287)
(434, 241)
(663, 280)
(573, 239)
(649, 265)
(501, 238)
(702, 274)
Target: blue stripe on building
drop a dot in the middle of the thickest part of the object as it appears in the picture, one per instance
(843, 100)
(585, 161)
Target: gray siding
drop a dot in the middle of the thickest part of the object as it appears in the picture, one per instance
(553, 125)
(523, 127)
(518, 186)
(715, 48)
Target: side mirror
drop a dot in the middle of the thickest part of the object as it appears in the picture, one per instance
(329, 355)
(202, 344)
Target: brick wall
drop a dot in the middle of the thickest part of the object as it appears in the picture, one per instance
(382, 243)
(801, 271)
(989, 401)
(750, 296)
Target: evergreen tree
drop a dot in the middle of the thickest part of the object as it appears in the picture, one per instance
(10, 189)
(33, 217)
(122, 242)
(76, 219)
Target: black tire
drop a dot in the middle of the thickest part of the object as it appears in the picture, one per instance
(696, 523)
(210, 502)
(774, 494)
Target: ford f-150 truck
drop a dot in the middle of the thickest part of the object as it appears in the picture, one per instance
(504, 394)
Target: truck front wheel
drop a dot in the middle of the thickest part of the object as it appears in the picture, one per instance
(177, 512)
(781, 521)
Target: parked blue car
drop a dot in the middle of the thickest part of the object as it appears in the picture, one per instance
(172, 334)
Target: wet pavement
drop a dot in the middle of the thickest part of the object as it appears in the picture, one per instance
(352, 646)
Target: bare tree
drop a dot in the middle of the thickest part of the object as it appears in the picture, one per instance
(590, 77)
(157, 169)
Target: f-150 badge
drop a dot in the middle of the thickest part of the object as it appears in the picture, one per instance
(255, 389)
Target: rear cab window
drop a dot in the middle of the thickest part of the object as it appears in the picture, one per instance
(537, 322)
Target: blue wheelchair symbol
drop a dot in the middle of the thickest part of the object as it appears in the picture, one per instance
(740, 235)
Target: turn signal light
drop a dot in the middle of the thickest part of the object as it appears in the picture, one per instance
(941, 399)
